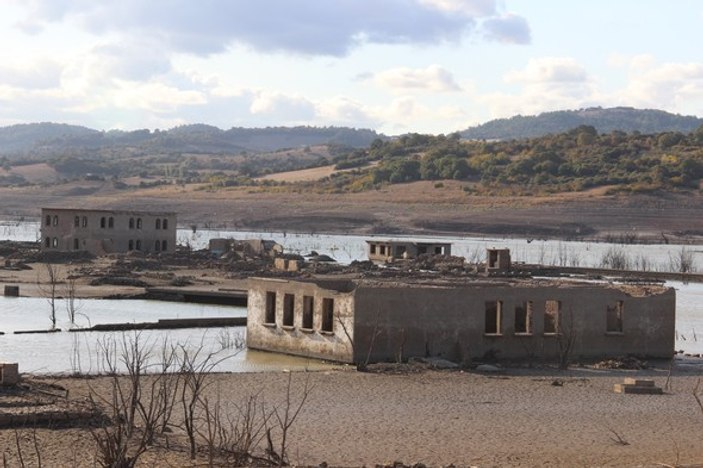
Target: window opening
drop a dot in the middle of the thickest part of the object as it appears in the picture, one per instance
(47, 242)
(164, 244)
(48, 220)
(111, 222)
(614, 315)
(270, 307)
(102, 222)
(139, 223)
(130, 245)
(288, 310)
(56, 220)
(164, 224)
(523, 317)
(158, 223)
(77, 221)
(131, 223)
(327, 314)
(308, 307)
(85, 221)
(55, 242)
(157, 246)
(552, 312)
(493, 313)
(75, 244)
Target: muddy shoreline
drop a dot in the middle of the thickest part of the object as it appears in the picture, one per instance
(417, 209)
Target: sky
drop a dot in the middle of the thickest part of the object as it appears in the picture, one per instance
(395, 66)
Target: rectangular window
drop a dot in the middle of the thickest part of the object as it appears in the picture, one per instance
(493, 313)
(327, 314)
(382, 250)
(552, 313)
(270, 307)
(614, 314)
(523, 317)
(372, 248)
(308, 307)
(288, 310)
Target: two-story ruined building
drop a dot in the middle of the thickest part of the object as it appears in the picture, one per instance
(107, 231)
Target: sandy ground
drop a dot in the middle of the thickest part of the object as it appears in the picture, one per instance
(441, 418)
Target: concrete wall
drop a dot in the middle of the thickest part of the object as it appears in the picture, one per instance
(62, 232)
(295, 339)
(394, 321)
(382, 251)
(450, 322)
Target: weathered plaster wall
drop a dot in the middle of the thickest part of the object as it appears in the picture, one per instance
(314, 342)
(97, 240)
(414, 320)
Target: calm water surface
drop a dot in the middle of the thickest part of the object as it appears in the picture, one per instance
(53, 352)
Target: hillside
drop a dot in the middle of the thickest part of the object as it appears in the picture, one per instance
(625, 119)
(42, 141)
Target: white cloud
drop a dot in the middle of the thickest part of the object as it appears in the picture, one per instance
(284, 107)
(468, 7)
(549, 69)
(310, 27)
(432, 78)
(509, 28)
(675, 86)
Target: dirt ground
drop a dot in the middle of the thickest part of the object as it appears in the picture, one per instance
(520, 418)
(420, 208)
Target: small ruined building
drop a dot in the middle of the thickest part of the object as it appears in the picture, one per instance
(249, 247)
(103, 232)
(385, 250)
(497, 260)
(388, 319)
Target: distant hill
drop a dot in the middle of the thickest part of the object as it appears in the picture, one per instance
(626, 119)
(46, 140)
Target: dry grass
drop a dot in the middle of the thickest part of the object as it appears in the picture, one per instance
(33, 173)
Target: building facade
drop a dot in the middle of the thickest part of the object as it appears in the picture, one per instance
(357, 320)
(103, 232)
(387, 250)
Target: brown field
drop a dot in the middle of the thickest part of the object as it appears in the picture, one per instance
(33, 173)
(420, 207)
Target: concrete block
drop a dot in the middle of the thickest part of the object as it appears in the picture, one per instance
(639, 382)
(633, 389)
(9, 374)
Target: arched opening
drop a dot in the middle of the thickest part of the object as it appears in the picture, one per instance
(164, 246)
(102, 222)
(131, 223)
(111, 222)
(158, 223)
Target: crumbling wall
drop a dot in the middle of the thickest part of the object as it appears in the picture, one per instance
(276, 333)
(397, 322)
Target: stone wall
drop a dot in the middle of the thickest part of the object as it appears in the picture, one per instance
(102, 232)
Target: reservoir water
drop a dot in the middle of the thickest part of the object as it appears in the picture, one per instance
(62, 352)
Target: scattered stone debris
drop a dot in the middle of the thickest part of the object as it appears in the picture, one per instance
(625, 362)
(37, 403)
